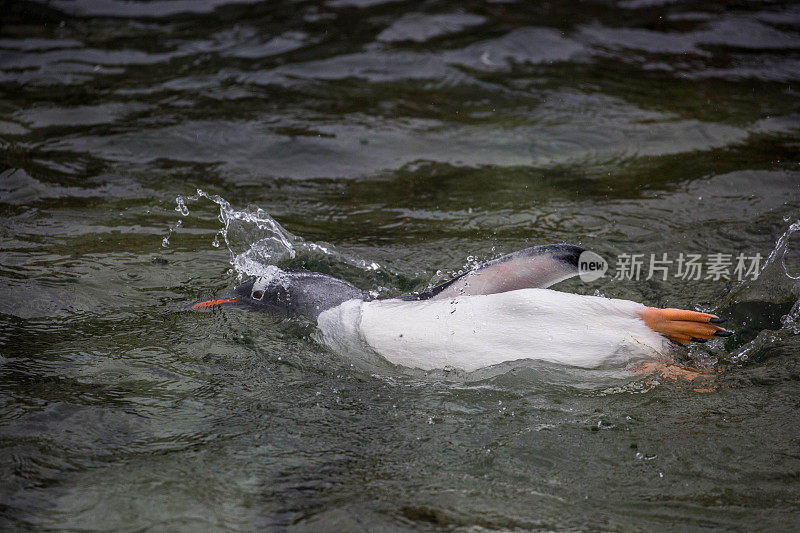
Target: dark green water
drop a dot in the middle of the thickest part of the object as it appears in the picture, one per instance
(397, 139)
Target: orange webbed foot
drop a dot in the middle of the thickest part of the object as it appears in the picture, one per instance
(700, 380)
(683, 326)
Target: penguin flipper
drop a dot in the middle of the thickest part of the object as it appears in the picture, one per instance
(532, 268)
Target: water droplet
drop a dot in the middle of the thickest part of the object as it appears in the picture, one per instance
(181, 206)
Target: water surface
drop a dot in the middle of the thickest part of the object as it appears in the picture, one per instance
(395, 143)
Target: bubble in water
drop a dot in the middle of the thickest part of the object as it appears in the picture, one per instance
(790, 323)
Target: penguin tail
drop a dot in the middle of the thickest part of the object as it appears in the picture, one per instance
(683, 326)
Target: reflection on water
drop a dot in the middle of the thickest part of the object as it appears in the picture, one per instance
(392, 144)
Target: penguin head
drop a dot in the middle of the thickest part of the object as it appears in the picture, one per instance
(251, 293)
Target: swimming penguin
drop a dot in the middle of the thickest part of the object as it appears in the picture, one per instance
(500, 311)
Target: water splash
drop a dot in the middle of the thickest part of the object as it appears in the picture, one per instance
(774, 281)
(775, 284)
(256, 242)
(253, 238)
(172, 229)
(471, 263)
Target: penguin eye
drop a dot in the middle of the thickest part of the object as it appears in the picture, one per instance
(257, 295)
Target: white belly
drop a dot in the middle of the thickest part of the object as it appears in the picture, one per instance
(472, 332)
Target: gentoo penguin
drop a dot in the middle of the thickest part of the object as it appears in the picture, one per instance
(500, 311)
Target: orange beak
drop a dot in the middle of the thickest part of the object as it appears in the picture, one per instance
(213, 303)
